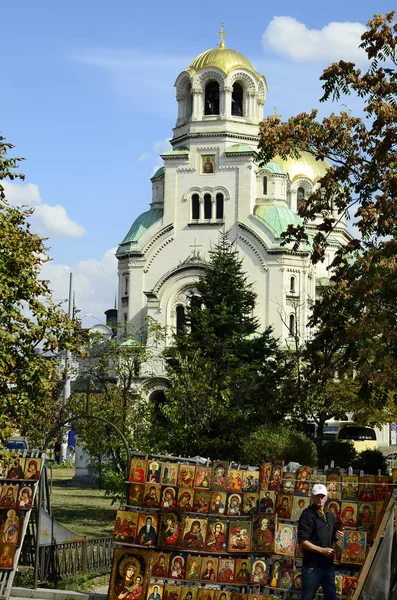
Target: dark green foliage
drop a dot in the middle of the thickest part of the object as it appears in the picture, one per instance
(370, 461)
(342, 453)
(279, 442)
(224, 374)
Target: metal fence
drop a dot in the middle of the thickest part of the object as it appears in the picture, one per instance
(58, 561)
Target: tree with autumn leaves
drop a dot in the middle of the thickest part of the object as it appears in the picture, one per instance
(31, 325)
(357, 315)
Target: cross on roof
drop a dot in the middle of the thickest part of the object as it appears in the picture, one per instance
(275, 115)
(195, 246)
(222, 33)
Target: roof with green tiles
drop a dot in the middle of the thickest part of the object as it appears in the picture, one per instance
(238, 148)
(140, 226)
(273, 167)
(158, 173)
(276, 217)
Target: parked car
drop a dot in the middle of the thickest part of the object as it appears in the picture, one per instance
(17, 443)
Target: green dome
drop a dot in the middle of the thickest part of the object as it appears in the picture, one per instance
(274, 168)
(140, 226)
(159, 173)
(276, 217)
(239, 148)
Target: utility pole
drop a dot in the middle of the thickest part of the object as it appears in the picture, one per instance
(68, 356)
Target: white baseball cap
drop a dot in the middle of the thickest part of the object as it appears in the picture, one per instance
(319, 488)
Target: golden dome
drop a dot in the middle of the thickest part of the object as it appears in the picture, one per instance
(224, 59)
(305, 166)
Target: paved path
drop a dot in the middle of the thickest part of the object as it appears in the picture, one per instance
(46, 594)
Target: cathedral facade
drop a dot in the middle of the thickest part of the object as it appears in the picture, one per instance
(210, 182)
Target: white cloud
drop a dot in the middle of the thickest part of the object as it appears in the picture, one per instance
(47, 220)
(286, 36)
(94, 284)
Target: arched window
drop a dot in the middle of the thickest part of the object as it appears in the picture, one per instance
(126, 285)
(180, 319)
(219, 206)
(207, 206)
(237, 100)
(300, 195)
(125, 322)
(292, 285)
(189, 101)
(211, 102)
(195, 207)
(291, 325)
(264, 180)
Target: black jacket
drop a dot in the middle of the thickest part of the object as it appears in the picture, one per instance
(311, 527)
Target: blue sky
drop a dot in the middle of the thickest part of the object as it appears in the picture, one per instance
(87, 98)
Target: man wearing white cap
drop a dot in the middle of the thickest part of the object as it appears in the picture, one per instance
(316, 533)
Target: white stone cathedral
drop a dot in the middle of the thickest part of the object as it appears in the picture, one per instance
(211, 181)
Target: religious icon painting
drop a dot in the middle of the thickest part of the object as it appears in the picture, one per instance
(366, 489)
(168, 496)
(11, 522)
(25, 496)
(350, 487)
(208, 163)
(9, 495)
(302, 485)
(275, 574)
(250, 481)
(147, 530)
(276, 478)
(218, 503)
(259, 572)
(348, 514)
(317, 478)
(298, 506)
(172, 592)
(354, 544)
(285, 541)
(151, 496)
(239, 596)
(205, 594)
(242, 570)
(125, 527)
(250, 503)
(32, 469)
(138, 470)
(219, 475)
(297, 581)
(202, 502)
(154, 591)
(286, 579)
(366, 514)
(226, 570)
(223, 595)
(257, 597)
(136, 493)
(216, 538)
(160, 564)
(267, 500)
(3, 467)
(186, 475)
(382, 487)
(194, 533)
(333, 486)
(16, 468)
(171, 528)
(169, 473)
(209, 568)
(349, 584)
(189, 593)
(129, 572)
(185, 499)
(334, 507)
(240, 536)
(177, 566)
(288, 484)
(193, 568)
(234, 505)
(234, 480)
(202, 478)
(284, 506)
(7, 555)
(154, 471)
(265, 471)
(264, 525)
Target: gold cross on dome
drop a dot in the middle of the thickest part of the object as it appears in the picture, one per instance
(275, 115)
(195, 246)
(222, 33)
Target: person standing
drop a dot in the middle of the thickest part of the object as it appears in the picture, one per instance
(317, 532)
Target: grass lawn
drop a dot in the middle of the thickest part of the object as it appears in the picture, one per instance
(84, 510)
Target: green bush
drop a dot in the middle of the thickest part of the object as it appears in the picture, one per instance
(271, 442)
(370, 461)
(343, 453)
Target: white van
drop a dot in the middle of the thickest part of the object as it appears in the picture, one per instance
(362, 436)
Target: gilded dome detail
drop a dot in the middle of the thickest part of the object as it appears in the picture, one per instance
(224, 59)
(304, 167)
